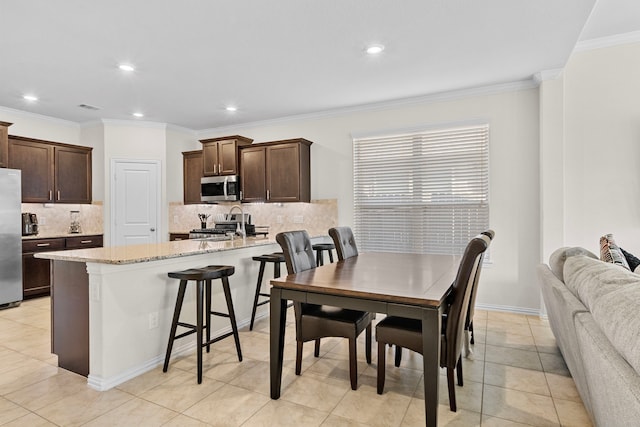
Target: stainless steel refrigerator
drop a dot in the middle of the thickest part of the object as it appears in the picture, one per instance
(10, 238)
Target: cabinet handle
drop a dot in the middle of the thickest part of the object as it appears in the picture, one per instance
(43, 244)
(50, 195)
(58, 194)
(86, 241)
(268, 194)
(241, 198)
(219, 168)
(214, 168)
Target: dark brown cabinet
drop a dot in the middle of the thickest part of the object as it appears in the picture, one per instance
(178, 236)
(36, 272)
(277, 171)
(51, 172)
(191, 175)
(220, 155)
(4, 144)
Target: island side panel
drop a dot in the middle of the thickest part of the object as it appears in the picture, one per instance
(70, 315)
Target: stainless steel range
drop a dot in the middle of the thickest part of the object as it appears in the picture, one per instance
(229, 227)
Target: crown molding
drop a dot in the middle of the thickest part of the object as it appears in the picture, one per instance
(547, 75)
(404, 102)
(28, 114)
(602, 42)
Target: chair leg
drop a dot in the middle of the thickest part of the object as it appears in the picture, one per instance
(459, 371)
(353, 364)
(199, 310)
(257, 295)
(207, 312)
(232, 315)
(367, 350)
(316, 350)
(381, 366)
(299, 345)
(174, 323)
(330, 255)
(473, 341)
(398, 355)
(452, 390)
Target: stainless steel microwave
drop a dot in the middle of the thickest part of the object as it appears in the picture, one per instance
(220, 188)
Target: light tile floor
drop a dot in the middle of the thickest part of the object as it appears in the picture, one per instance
(516, 378)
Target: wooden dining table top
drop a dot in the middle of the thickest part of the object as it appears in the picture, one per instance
(415, 279)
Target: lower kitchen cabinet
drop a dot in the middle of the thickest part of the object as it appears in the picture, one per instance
(178, 236)
(36, 272)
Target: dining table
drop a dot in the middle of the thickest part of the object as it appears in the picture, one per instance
(397, 284)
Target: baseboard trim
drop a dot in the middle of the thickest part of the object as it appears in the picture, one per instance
(510, 309)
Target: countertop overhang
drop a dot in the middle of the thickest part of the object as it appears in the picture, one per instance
(132, 254)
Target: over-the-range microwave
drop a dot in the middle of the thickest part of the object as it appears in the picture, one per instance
(220, 188)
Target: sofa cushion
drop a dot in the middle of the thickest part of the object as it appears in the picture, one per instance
(612, 295)
(558, 258)
(610, 252)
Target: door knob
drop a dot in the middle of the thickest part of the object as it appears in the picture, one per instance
(153, 229)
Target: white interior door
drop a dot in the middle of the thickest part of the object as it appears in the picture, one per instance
(136, 204)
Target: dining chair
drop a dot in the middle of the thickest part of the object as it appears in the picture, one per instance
(407, 333)
(344, 242)
(468, 324)
(315, 321)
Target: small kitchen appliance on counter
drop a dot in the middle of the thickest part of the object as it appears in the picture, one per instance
(227, 224)
(29, 224)
(74, 224)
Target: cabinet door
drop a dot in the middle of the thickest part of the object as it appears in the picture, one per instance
(35, 276)
(72, 175)
(35, 160)
(210, 158)
(283, 173)
(4, 144)
(191, 175)
(252, 175)
(227, 158)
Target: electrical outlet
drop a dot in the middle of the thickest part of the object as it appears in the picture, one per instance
(279, 219)
(42, 220)
(153, 320)
(175, 219)
(298, 219)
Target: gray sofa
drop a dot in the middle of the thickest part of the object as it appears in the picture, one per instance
(594, 312)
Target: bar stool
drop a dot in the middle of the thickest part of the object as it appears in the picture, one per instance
(276, 258)
(202, 276)
(319, 248)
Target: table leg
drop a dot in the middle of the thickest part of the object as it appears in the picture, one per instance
(278, 319)
(431, 324)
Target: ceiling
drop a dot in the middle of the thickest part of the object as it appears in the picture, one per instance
(279, 58)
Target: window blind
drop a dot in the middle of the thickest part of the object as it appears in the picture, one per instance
(421, 192)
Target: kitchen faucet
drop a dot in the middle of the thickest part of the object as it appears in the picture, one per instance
(242, 231)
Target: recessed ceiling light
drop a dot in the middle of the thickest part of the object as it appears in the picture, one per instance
(126, 67)
(138, 115)
(30, 97)
(375, 49)
(231, 108)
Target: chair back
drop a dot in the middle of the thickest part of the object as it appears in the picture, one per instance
(474, 290)
(459, 300)
(344, 241)
(297, 250)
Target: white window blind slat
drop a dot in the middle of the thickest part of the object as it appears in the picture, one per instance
(422, 192)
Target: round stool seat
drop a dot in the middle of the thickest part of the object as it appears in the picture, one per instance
(274, 257)
(323, 246)
(204, 273)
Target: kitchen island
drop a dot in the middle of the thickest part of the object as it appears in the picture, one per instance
(112, 307)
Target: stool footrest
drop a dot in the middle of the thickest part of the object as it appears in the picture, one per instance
(217, 313)
(221, 337)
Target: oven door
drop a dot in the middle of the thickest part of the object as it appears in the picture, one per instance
(220, 188)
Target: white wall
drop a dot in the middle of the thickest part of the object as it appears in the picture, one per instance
(510, 281)
(602, 154)
(40, 127)
(178, 140)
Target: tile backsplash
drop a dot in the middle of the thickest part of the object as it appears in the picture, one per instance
(54, 219)
(315, 217)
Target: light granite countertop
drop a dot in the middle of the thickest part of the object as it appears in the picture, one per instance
(152, 252)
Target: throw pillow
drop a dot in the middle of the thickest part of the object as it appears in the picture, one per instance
(610, 252)
(632, 260)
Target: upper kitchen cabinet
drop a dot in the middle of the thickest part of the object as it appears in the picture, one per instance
(192, 173)
(277, 171)
(51, 172)
(220, 155)
(4, 144)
